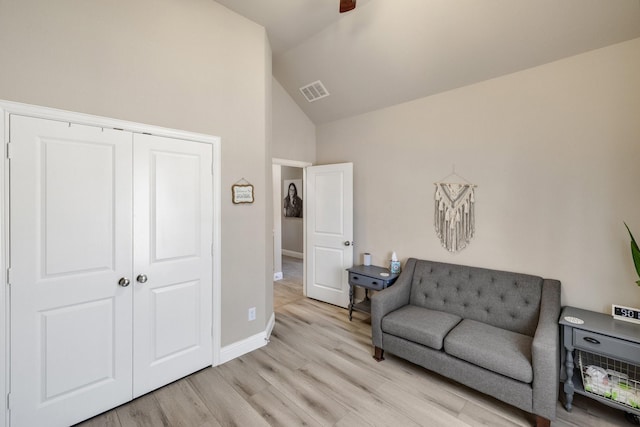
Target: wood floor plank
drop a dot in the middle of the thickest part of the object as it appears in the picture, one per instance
(227, 405)
(278, 410)
(323, 408)
(242, 378)
(286, 293)
(422, 411)
(312, 344)
(183, 407)
(367, 405)
(107, 419)
(144, 411)
(364, 379)
(424, 384)
(286, 354)
(478, 416)
(292, 384)
(354, 420)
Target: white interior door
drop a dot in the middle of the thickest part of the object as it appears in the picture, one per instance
(329, 245)
(173, 237)
(70, 243)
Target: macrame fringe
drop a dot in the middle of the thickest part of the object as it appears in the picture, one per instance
(454, 217)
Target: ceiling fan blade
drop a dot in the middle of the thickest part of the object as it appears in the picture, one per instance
(347, 5)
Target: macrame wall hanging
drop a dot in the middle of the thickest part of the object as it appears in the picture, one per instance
(454, 217)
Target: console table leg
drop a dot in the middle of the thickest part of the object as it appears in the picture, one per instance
(351, 296)
(568, 385)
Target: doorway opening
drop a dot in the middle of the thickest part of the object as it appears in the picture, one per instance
(327, 227)
(288, 213)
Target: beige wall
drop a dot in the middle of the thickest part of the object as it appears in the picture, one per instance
(554, 150)
(190, 65)
(294, 135)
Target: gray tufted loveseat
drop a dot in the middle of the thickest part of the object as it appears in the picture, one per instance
(494, 331)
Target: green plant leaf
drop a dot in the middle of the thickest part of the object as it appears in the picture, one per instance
(635, 252)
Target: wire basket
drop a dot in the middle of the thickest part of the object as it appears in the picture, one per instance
(610, 378)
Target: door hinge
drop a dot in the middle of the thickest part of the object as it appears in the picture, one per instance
(9, 276)
(9, 401)
(9, 145)
(212, 249)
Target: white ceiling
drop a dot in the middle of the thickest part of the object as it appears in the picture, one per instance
(390, 51)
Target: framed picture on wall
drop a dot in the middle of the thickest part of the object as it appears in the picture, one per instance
(242, 193)
(292, 203)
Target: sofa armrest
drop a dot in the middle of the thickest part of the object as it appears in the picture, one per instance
(545, 352)
(390, 299)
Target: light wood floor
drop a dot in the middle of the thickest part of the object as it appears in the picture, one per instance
(318, 371)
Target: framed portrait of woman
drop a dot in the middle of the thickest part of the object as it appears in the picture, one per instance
(292, 202)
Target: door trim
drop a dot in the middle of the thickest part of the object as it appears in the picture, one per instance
(8, 108)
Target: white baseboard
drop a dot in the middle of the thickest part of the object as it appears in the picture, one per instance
(292, 254)
(247, 345)
(277, 276)
(270, 326)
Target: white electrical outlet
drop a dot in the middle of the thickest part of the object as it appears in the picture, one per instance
(252, 313)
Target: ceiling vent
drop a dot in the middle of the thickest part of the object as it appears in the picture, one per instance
(314, 91)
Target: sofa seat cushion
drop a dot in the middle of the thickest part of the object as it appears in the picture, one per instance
(420, 325)
(498, 350)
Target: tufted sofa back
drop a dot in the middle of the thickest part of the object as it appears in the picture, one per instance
(506, 300)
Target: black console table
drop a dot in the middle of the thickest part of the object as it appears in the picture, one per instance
(367, 277)
(597, 339)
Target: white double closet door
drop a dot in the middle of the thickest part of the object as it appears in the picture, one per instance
(111, 267)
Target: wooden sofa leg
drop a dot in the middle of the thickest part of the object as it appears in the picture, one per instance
(542, 422)
(378, 354)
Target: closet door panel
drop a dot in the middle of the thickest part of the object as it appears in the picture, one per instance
(71, 240)
(82, 241)
(173, 223)
(175, 211)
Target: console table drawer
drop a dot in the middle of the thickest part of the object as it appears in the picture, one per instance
(603, 344)
(367, 282)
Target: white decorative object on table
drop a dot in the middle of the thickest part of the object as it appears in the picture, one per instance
(574, 320)
(627, 314)
(367, 259)
(394, 265)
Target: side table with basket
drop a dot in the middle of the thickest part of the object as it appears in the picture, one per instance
(601, 359)
(369, 277)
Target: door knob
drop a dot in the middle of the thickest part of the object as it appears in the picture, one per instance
(348, 243)
(124, 282)
(142, 278)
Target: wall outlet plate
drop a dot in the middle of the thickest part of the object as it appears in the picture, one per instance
(628, 314)
(252, 314)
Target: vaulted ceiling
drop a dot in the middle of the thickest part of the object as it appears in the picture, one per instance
(390, 51)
